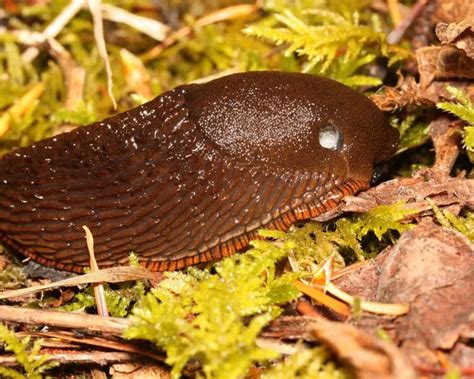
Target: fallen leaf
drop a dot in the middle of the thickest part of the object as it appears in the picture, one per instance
(367, 356)
(432, 268)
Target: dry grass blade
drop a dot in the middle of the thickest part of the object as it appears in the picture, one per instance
(272, 344)
(53, 29)
(74, 74)
(394, 9)
(223, 14)
(99, 292)
(368, 306)
(20, 107)
(135, 74)
(95, 7)
(323, 299)
(109, 275)
(402, 26)
(152, 28)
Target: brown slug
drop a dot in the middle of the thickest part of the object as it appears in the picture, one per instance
(192, 175)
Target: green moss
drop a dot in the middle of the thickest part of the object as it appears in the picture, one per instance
(306, 363)
(314, 243)
(27, 355)
(216, 316)
(463, 224)
(413, 131)
(382, 219)
(118, 300)
(334, 44)
(213, 48)
(11, 277)
(464, 109)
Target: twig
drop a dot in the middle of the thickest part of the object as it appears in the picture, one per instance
(99, 292)
(281, 347)
(152, 28)
(97, 356)
(396, 35)
(324, 299)
(223, 14)
(74, 74)
(368, 306)
(96, 342)
(110, 275)
(95, 6)
(348, 269)
(53, 29)
(67, 320)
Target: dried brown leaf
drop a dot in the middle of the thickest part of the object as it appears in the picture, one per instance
(443, 63)
(367, 356)
(431, 267)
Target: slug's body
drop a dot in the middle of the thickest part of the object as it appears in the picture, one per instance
(192, 175)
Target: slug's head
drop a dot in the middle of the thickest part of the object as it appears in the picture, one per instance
(293, 122)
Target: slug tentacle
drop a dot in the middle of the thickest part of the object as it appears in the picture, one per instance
(190, 176)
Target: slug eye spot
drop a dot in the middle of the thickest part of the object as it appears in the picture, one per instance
(330, 138)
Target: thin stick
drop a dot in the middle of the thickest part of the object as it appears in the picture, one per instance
(228, 13)
(109, 275)
(368, 306)
(74, 74)
(55, 27)
(324, 299)
(97, 356)
(96, 342)
(95, 6)
(85, 322)
(348, 269)
(152, 28)
(99, 292)
(396, 35)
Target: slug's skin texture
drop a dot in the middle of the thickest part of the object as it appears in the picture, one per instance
(190, 176)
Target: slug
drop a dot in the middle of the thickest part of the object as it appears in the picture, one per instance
(191, 176)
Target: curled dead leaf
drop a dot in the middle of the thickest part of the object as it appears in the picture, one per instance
(367, 356)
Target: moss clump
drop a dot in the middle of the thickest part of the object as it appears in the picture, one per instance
(216, 316)
(464, 109)
(307, 364)
(334, 44)
(27, 355)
